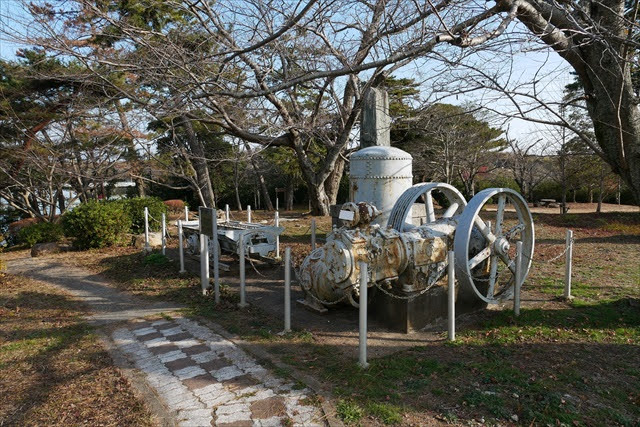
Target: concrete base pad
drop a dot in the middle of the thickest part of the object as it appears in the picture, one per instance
(425, 310)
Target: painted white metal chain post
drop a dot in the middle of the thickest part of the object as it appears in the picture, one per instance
(248, 213)
(277, 204)
(363, 316)
(146, 229)
(204, 259)
(451, 278)
(313, 234)
(243, 302)
(180, 247)
(567, 271)
(277, 222)
(517, 285)
(287, 289)
(226, 213)
(164, 234)
(216, 256)
(186, 213)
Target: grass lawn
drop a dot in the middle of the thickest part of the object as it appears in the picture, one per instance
(559, 363)
(53, 369)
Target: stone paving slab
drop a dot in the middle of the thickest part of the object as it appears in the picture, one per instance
(209, 381)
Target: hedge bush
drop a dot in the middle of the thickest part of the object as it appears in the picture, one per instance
(134, 208)
(96, 224)
(41, 232)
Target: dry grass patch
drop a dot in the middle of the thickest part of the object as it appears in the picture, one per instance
(53, 369)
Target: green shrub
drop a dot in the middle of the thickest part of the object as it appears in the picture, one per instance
(40, 233)
(135, 209)
(96, 224)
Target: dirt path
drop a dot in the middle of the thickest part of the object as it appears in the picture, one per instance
(200, 377)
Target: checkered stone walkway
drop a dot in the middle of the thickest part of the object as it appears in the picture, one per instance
(208, 380)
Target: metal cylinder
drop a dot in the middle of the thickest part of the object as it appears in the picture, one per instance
(378, 175)
(451, 300)
(181, 247)
(287, 289)
(362, 359)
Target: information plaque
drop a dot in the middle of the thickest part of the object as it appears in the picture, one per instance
(206, 221)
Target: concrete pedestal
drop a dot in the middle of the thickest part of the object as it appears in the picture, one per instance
(413, 315)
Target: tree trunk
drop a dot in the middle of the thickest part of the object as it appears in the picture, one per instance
(332, 184)
(601, 190)
(199, 164)
(290, 188)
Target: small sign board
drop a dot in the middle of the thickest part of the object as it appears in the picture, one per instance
(206, 221)
(346, 215)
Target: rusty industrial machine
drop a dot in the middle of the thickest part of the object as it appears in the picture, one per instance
(403, 232)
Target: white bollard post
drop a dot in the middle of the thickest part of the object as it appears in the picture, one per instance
(277, 222)
(243, 301)
(287, 290)
(180, 247)
(146, 230)
(451, 297)
(518, 280)
(186, 213)
(216, 257)
(164, 234)
(313, 234)
(363, 316)
(248, 213)
(204, 263)
(226, 213)
(567, 265)
(277, 204)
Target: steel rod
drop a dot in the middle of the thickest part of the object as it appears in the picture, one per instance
(518, 280)
(243, 302)
(146, 229)
(567, 268)
(277, 222)
(248, 213)
(451, 279)
(180, 247)
(204, 263)
(287, 289)
(216, 257)
(363, 316)
(164, 235)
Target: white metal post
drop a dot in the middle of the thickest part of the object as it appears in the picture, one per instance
(180, 247)
(164, 234)
(216, 256)
(518, 280)
(363, 316)
(277, 203)
(146, 229)
(186, 213)
(451, 297)
(204, 263)
(567, 268)
(243, 302)
(226, 213)
(313, 234)
(248, 213)
(287, 289)
(277, 222)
